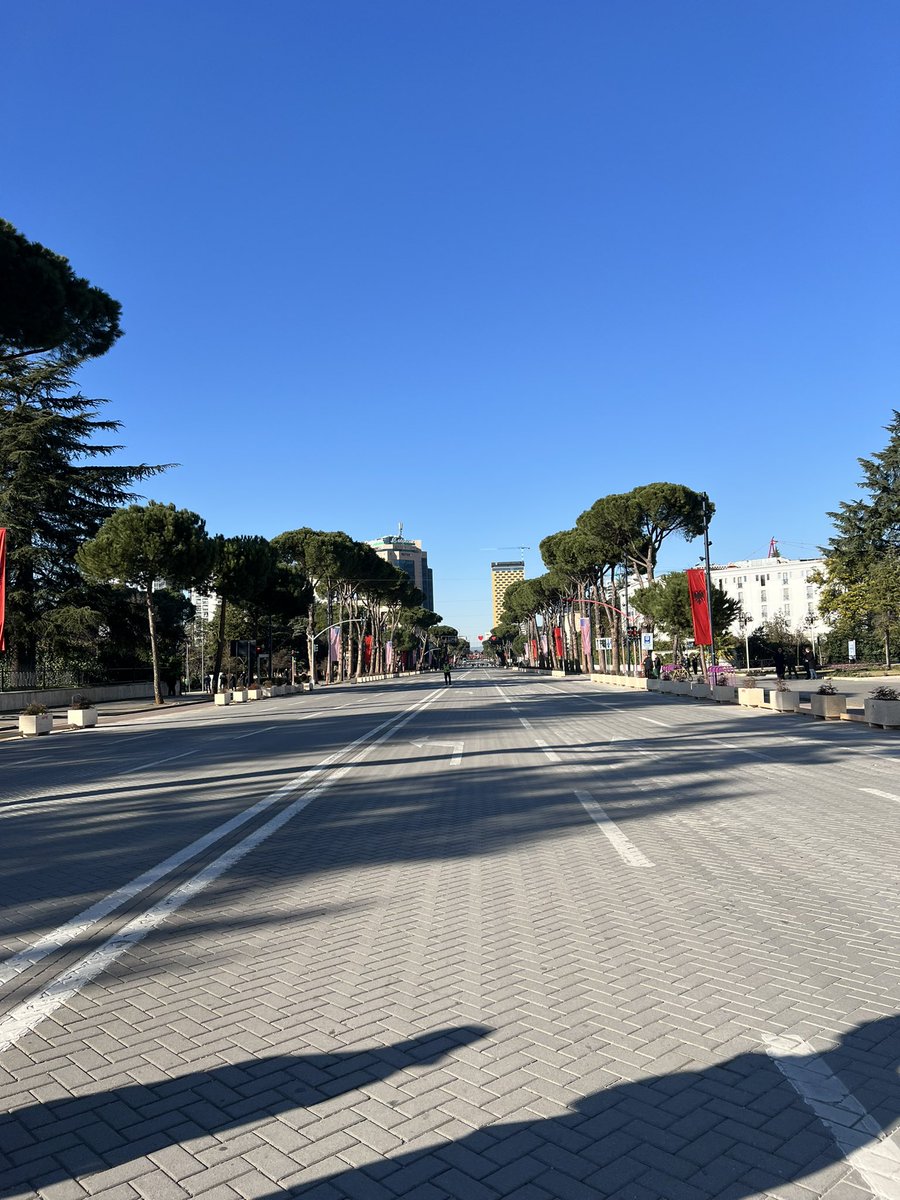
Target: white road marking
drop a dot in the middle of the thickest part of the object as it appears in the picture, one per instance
(80, 924)
(652, 721)
(623, 845)
(883, 795)
(859, 1137)
(456, 747)
(551, 754)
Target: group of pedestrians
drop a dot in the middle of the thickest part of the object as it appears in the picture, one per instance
(653, 666)
(785, 667)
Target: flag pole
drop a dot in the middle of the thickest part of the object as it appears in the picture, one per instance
(712, 636)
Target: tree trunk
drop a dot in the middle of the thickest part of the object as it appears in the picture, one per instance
(154, 651)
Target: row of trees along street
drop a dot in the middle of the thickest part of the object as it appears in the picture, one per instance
(96, 582)
(613, 548)
(619, 537)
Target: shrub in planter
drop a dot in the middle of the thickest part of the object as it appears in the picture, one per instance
(883, 708)
(827, 703)
(782, 699)
(35, 720)
(82, 713)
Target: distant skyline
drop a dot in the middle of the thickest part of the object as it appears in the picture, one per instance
(471, 266)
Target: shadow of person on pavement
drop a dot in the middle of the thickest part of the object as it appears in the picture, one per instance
(732, 1131)
(43, 1144)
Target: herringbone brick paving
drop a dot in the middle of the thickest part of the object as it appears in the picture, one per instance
(442, 984)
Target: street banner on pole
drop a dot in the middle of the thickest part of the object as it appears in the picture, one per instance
(2, 589)
(334, 644)
(699, 608)
(558, 642)
(388, 655)
(585, 623)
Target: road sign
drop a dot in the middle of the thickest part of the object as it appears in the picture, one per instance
(646, 641)
(604, 643)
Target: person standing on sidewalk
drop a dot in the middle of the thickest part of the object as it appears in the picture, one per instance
(809, 661)
(778, 657)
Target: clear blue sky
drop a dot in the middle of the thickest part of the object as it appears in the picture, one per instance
(472, 265)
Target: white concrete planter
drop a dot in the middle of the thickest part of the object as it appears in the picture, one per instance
(666, 686)
(701, 691)
(82, 718)
(744, 681)
(751, 697)
(784, 701)
(268, 693)
(255, 693)
(239, 696)
(34, 726)
(829, 708)
(222, 697)
(654, 685)
(724, 694)
(885, 713)
(682, 687)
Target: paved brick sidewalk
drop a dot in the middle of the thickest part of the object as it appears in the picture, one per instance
(446, 982)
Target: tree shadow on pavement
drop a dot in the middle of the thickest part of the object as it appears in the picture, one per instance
(732, 1131)
(43, 1144)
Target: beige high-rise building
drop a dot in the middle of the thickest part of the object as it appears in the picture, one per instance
(502, 575)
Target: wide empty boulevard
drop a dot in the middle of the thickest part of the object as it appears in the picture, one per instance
(517, 937)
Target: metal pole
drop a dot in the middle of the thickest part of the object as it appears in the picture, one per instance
(627, 626)
(712, 636)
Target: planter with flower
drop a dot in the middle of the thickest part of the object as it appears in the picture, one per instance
(883, 708)
(782, 699)
(35, 720)
(81, 713)
(827, 703)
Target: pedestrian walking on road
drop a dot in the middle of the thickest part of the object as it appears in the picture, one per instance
(447, 673)
(809, 662)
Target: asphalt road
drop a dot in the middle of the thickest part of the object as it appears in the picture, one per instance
(518, 937)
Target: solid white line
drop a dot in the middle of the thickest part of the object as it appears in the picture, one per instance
(859, 1136)
(623, 845)
(80, 924)
(651, 721)
(883, 795)
(26, 1016)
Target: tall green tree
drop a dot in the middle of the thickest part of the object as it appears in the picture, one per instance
(55, 492)
(46, 309)
(243, 569)
(142, 545)
(859, 580)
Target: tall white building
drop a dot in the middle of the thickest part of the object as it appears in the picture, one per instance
(206, 606)
(772, 587)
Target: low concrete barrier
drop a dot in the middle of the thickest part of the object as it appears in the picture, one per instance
(57, 697)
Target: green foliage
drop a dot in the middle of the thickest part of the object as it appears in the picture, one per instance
(45, 308)
(861, 578)
(142, 544)
(55, 492)
(145, 543)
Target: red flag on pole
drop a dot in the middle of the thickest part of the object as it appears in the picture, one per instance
(2, 588)
(558, 642)
(699, 607)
